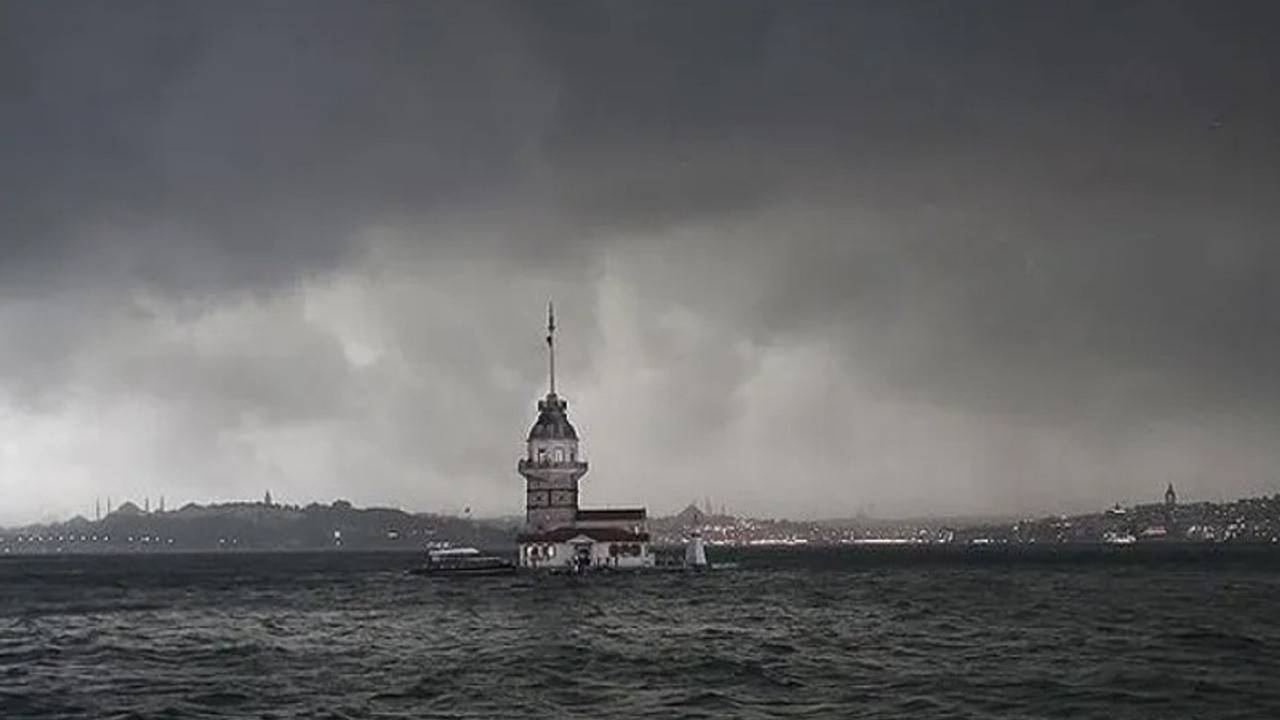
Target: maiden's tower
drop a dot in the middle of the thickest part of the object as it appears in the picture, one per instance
(558, 534)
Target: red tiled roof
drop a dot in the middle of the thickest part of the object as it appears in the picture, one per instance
(612, 514)
(559, 535)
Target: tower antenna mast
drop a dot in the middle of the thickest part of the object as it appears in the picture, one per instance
(551, 345)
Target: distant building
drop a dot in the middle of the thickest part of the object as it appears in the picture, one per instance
(557, 532)
(1170, 497)
(691, 517)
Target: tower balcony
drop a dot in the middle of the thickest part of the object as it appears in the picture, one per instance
(535, 465)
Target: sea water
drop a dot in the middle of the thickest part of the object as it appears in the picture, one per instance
(848, 633)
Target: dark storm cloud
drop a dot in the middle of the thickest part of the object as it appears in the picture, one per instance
(226, 146)
(1058, 215)
(1041, 199)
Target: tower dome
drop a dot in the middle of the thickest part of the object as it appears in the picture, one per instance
(552, 422)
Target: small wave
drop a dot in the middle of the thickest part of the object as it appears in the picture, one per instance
(711, 700)
(220, 698)
(1214, 638)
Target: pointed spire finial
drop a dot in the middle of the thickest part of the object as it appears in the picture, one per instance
(551, 345)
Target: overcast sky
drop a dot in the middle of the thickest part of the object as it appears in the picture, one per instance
(808, 258)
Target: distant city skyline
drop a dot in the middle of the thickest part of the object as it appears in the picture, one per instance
(704, 505)
(266, 525)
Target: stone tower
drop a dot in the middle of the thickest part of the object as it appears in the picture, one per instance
(551, 466)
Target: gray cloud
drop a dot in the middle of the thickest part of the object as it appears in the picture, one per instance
(1008, 257)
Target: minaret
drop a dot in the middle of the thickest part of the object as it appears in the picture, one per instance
(1170, 512)
(551, 466)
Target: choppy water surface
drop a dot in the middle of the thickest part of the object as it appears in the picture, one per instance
(791, 634)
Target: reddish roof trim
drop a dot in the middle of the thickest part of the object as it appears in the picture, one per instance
(606, 514)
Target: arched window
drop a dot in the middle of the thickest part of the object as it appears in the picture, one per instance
(559, 455)
(573, 455)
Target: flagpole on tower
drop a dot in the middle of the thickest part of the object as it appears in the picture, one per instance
(551, 345)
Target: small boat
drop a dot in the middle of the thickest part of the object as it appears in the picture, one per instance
(1115, 538)
(463, 561)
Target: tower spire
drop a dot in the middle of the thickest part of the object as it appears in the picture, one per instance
(551, 345)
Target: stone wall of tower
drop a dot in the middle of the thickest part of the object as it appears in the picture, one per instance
(551, 502)
(551, 490)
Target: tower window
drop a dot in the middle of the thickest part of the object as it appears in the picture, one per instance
(559, 454)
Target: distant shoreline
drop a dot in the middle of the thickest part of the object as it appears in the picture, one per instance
(1030, 551)
(340, 527)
